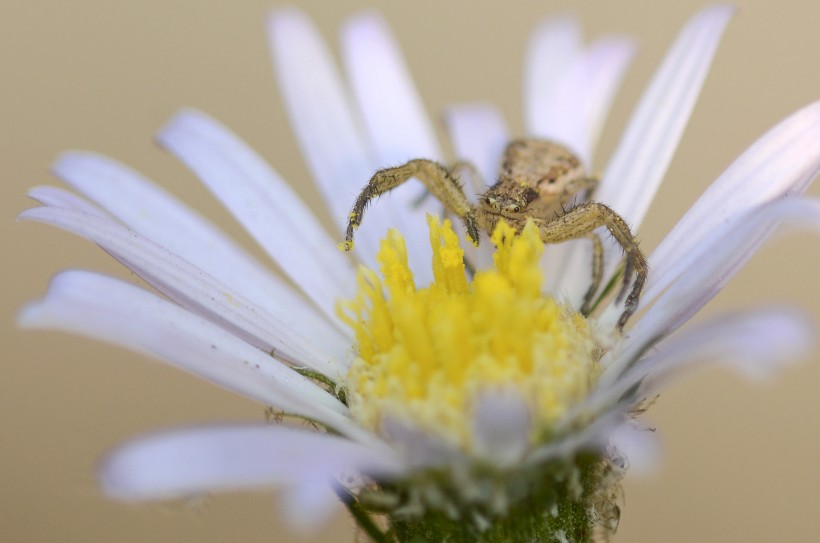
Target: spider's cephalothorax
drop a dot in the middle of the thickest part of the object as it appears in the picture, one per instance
(539, 180)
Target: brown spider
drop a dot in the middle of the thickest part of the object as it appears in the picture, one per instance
(538, 180)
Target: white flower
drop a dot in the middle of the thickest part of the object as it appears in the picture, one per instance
(229, 320)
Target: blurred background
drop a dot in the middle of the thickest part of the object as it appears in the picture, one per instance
(740, 459)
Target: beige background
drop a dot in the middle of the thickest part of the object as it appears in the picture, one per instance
(741, 460)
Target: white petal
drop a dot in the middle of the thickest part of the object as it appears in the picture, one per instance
(201, 293)
(151, 211)
(639, 163)
(717, 262)
(322, 118)
(265, 205)
(585, 93)
(639, 445)
(396, 123)
(780, 163)
(418, 447)
(383, 88)
(189, 461)
(554, 46)
(110, 310)
(754, 343)
(592, 436)
(502, 424)
(592, 83)
(643, 155)
(57, 197)
(479, 135)
(310, 504)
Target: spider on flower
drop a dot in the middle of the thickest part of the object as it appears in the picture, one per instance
(540, 181)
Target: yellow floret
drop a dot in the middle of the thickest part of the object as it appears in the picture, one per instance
(426, 354)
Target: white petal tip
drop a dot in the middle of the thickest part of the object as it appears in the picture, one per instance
(74, 167)
(67, 159)
(419, 447)
(125, 475)
(30, 315)
(186, 113)
(620, 47)
(718, 15)
(565, 21)
(720, 10)
(640, 446)
(365, 21)
(182, 119)
(794, 334)
(308, 507)
(501, 427)
(287, 19)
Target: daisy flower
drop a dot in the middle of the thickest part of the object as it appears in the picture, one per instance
(436, 389)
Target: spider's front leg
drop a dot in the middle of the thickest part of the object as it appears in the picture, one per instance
(581, 221)
(436, 178)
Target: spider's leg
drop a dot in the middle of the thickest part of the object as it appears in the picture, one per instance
(597, 272)
(435, 177)
(578, 191)
(477, 183)
(455, 170)
(581, 221)
(585, 184)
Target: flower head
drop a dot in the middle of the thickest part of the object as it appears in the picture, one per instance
(434, 355)
(473, 401)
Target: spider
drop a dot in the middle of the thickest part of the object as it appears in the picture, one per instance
(538, 180)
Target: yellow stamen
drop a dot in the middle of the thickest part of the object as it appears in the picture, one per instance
(426, 355)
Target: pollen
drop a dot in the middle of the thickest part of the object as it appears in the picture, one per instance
(426, 355)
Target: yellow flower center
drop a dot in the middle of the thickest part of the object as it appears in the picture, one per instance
(426, 355)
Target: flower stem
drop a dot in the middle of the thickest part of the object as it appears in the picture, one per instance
(361, 517)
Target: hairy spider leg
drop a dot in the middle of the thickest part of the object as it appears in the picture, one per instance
(582, 220)
(435, 177)
(597, 272)
(455, 170)
(585, 185)
(476, 179)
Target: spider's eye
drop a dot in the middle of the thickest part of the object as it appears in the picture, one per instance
(512, 208)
